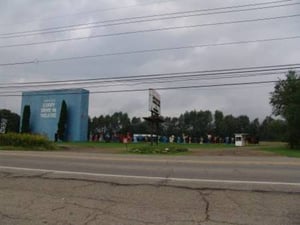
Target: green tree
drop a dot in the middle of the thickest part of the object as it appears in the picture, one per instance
(13, 120)
(195, 123)
(25, 128)
(273, 129)
(62, 123)
(219, 123)
(254, 128)
(243, 124)
(139, 126)
(170, 126)
(230, 125)
(286, 102)
(120, 122)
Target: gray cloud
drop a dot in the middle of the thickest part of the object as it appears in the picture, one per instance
(251, 100)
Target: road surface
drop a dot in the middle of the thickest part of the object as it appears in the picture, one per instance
(91, 188)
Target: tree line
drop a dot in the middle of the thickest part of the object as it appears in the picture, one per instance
(195, 124)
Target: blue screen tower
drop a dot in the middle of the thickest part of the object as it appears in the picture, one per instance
(45, 109)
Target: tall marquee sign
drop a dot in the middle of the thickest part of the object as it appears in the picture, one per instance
(155, 118)
(154, 102)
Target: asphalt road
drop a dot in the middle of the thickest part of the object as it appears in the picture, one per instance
(255, 169)
(91, 188)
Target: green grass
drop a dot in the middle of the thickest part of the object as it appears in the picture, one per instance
(90, 145)
(275, 147)
(278, 148)
(282, 149)
(140, 148)
(207, 146)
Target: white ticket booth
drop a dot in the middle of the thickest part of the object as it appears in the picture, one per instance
(240, 139)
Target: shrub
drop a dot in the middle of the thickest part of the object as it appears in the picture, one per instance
(62, 123)
(25, 140)
(26, 120)
(157, 150)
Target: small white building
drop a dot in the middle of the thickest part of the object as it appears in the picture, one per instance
(240, 139)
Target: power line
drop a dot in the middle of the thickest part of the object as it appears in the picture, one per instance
(142, 81)
(115, 8)
(130, 83)
(209, 72)
(145, 77)
(161, 81)
(36, 61)
(150, 30)
(147, 89)
(219, 72)
(100, 10)
(141, 19)
(186, 87)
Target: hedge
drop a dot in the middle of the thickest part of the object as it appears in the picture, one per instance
(25, 140)
(157, 150)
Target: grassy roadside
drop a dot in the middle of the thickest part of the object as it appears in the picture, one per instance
(281, 149)
(276, 148)
(121, 145)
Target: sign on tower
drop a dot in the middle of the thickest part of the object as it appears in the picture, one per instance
(154, 102)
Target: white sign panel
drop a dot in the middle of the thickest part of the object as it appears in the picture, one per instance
(48, 109)
(154, 102)
(3, 125)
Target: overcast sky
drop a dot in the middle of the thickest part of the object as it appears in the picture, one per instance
(253, 100)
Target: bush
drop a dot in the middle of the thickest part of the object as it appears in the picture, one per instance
(157, 150)
(25, 140)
